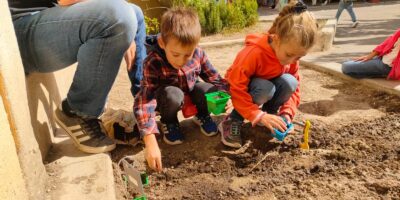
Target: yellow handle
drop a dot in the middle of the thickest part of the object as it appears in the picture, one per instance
(305, 131)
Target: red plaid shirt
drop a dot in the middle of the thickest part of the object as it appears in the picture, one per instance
(158, 72)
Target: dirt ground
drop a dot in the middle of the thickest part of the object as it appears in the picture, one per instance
(354, 141)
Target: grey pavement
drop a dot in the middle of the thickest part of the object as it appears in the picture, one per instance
(77, 175)
(377, 22)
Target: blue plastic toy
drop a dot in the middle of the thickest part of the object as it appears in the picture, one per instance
(279, 135)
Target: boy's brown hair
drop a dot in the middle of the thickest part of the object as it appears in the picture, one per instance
(182, 24)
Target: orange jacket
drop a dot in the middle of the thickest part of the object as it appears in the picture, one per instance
(258, 59)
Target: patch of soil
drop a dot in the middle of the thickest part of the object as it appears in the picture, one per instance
(354, 150)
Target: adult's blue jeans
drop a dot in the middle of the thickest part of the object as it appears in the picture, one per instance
(373, 68)
(349, 7)
(136, 73)
(94, 33)
(271, 94)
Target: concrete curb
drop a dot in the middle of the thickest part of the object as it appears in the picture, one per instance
(77, 175)
(391, 87)
(222, 43)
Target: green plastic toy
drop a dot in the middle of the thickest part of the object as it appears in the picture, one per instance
(216, 102)
(145, 179)
(140, 198)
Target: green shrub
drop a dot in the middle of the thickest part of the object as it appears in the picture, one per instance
(216, 15)
(249, 9)
(236, 18)
(152, 25)
(214, 24)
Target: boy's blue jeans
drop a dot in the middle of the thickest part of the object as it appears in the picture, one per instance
(374, 68)
(271, 94)
(349, 7)
(94, 33)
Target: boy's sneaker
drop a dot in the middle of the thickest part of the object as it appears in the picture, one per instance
(207, 125)
(354, 25)
(87, 134)
(230, 132)
(172, 134)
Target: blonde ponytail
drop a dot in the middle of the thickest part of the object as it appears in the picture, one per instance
(295, 23)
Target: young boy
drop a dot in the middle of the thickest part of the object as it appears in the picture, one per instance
(171, 71)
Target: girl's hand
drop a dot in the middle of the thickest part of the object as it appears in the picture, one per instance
(287, 117)
(273, 121)
(229, 106)
(130, 55)
(152, 152)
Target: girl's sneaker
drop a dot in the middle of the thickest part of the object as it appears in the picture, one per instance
(207, 125)
(172, 134)
(230, 132)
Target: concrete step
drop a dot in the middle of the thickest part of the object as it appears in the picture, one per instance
(333, 68)
(76, 175)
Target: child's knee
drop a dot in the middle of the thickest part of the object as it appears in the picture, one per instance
(204, 87)
(289, 82)
(171, 96)
(346, 67)
(261, 90)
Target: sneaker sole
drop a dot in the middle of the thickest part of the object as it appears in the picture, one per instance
(81, 147)
(221, 130)
(172, 143)
(202, 130)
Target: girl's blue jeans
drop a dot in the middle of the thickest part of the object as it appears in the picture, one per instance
(271, 94)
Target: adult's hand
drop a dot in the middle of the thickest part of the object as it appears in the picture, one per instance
(366, 57)
(130, 55)
(152, 152)
(68, 2)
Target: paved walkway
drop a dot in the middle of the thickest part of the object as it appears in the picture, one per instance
(377, 21)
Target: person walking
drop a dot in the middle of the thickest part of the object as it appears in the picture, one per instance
(348, 5)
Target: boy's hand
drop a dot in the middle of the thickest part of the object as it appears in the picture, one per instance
(152, 152)
(130, 55)
(273, 121)
(229, 106)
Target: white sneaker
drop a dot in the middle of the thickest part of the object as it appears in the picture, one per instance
(354, 24)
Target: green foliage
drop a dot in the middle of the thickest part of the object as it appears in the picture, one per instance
(152, 25)
(249, 9)
(217, 15)
(214, 19)
(236, 18)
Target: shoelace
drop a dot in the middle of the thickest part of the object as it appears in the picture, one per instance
(236, 128)
(205, 119)
(171, 127)
(92, 126)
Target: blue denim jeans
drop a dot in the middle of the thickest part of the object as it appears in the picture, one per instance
(271, 94)
(374, 68)
(94, 33)
(136, 73)
(349, 7)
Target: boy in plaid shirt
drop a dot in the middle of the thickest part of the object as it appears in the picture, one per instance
(171, 71)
